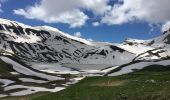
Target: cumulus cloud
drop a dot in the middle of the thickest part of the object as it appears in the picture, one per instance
(74, 18)
(73, 12)
(77, 34)
(152, 11)
(95, 24)
(64, 11)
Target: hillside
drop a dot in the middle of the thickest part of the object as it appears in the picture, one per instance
(45, 59)
(150, 83)
(47, 44)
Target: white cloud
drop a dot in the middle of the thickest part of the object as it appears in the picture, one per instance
(97, 6)
(64, 11)
(72, 12)
(166, 26)
(95, 24)
(1, 1)
(77, 34)
(152, 11)
(74, 18)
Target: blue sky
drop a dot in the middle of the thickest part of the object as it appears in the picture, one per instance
(111, 26)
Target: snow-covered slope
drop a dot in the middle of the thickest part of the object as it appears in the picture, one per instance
(160, 48)
(137, 66)
(24, 70)
(152, 49)
(47, 44)
(135, 46)
(161, 41)
(53, 55)
(17, 79)
(155, 51)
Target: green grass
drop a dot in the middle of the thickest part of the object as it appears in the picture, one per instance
(151, 83)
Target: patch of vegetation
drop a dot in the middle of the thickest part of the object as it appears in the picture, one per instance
(4, 67)
(150, 83)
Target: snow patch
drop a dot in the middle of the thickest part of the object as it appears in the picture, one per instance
(140, 65)
(6, 82)
(24, 70)
(32, 80)
(30, 90)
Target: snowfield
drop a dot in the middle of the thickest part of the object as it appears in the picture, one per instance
(6, 82)
(54, 68)
(136, 49)
(32, 80)
(49, 68)
(140, 65)
(30, 90)
(74, 69)
(24, 70)
(135, 46)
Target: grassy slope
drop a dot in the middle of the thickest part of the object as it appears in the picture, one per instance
(151, 83)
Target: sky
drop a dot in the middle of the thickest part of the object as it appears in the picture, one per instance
(95, 20)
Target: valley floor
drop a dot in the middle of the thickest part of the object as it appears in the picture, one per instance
(150, 83)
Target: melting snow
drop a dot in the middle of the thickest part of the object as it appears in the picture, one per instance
(139, 65)
(6, 82)
(32, 80)
(30, 90)
(24, 70)
(54, 68)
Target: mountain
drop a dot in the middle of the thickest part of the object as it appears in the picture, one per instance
(154, 51)
(47, 44)
(45, 59)
(42, 58)
(155, 48)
